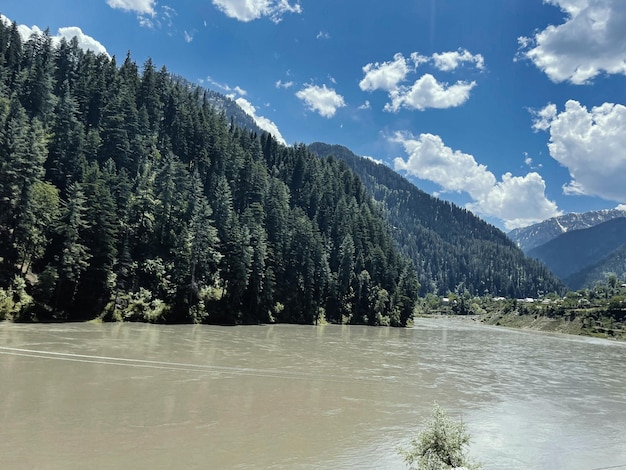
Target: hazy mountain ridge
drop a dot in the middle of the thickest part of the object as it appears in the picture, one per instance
(452, 248)
(615, 263)
(576, 254)
(541, 233)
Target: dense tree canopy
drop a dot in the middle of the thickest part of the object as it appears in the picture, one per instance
(126, 194)
(452, 249)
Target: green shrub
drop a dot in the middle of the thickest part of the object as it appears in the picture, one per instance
(442, 445)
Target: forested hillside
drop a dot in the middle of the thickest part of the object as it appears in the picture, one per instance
(574, 251)
(125, 194)
(453, 250)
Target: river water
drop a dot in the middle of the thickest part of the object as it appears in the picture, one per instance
(115, 396)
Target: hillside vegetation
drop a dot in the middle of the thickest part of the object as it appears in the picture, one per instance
(580, 250)
(127, 195)
(452, 249)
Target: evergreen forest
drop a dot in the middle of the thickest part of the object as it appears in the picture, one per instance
(126, 195)
(453, 250)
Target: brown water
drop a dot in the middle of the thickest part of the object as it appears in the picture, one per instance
(301, 397)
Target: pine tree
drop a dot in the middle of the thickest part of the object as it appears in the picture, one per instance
(73, 256)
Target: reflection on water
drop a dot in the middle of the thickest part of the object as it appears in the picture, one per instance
(281, 396)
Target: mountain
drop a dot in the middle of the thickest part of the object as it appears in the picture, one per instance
(131, 195)
(234, 113)
(538, 234)
(451, 248)
(572, 252)
(614, 263)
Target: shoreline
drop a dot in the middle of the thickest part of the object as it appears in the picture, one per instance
(575, 327)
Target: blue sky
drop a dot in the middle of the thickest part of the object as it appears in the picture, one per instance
(514, 109)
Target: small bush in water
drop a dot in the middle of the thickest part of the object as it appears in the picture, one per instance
(441, 445)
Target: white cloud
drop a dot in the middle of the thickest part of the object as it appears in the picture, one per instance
(431, 159)
(544, 117)
(323, 100)
(592, 40)
(518, 201)
(590, 144)
(281, 84)
(188, 36)
(372, 159)
(322, 35)
(143, 7)
(447, 61)
(147, 14)
(427, 92)
(24, 31)
(384, 76)
(216, 84)
(249, 10)
(85, 42)
(365, 105)
(231, 91)
(263, 122)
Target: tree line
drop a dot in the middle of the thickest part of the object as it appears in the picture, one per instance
(451, 248)
(124, 194)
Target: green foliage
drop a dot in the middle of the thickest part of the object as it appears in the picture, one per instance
(137, 306)
(126, 195)
(450, 247)
(15, 302)
(441, 445)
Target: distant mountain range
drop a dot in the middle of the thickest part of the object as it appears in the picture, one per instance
(538, 234)
(452, 249)
(573, 251)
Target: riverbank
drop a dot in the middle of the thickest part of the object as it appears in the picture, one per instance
(583, 323)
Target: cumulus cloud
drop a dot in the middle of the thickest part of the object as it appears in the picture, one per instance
(592, 40)
(249, 10)
(322, 100)
(261, 121)
(366, 105)
(143, 7)
(517, 201)
(590, 144)
(384, 76)
(426, 91)
(447, 61)
(85, 42)
(543, 117)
